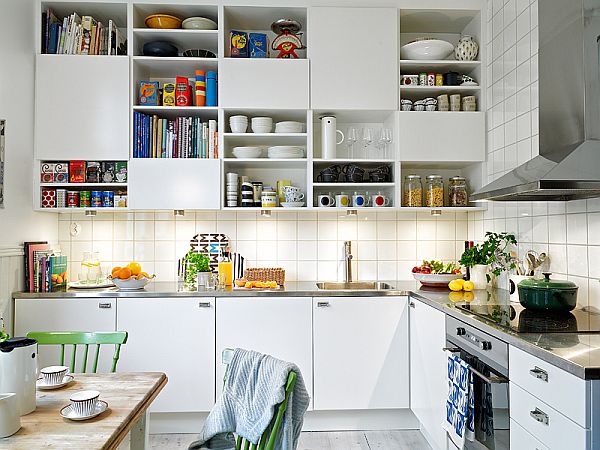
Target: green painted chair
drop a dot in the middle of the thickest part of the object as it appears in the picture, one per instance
(75, 338)
(267, 440)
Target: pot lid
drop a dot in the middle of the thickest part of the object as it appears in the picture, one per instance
(10, 344)
(547, 283)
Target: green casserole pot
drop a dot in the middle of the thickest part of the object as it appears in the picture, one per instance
(547, 294)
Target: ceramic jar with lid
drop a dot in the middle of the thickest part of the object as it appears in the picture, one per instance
(457, 192)
(434, 191)
(466, 49)
(413, 191)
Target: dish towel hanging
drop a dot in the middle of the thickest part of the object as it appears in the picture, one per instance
(460, 403)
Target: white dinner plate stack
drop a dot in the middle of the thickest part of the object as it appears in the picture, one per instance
(288, 126)
(247, 152)
(285, 151)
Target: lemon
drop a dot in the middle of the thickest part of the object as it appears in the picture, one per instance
(456, 285)
(135, 268)
(468, 296)
(468, 286)
(456, 296)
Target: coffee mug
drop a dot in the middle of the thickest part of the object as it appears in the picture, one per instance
(342, 200)
(10, 421)
(380, 200)
(378, 177)
(327, 178)
(326, 200)
(359, 200)
(353, 173)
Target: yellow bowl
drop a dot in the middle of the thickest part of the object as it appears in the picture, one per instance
(164, 21)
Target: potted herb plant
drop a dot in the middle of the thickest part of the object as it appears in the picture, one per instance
(196, 263)
(493, 255)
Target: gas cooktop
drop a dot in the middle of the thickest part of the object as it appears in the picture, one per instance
(516, 318)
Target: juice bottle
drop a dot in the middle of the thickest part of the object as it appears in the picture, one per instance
(226, 268)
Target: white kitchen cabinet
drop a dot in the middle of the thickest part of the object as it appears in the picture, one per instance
(428, 379)
(360, 353)
(174, 183)
(353, 58)
(520, 439)
(269, 83)
(277, 326)
(68, 314)
(175, 336)
(81, 108)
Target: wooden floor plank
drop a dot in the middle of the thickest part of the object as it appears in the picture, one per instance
(350, 440)
(386, 440)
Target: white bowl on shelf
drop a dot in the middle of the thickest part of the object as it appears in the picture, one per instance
(262, 128)
(426, 49)
(199, 23)
(288, 126)
(285, 151)
(247, 152)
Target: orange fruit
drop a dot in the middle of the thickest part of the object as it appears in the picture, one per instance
(115, 271)
(136, 268)
(124, 273)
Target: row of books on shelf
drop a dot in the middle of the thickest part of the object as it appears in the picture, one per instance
(81, 35)
(181, 137)
(45, 271)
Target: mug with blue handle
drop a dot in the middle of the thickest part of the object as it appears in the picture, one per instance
(359, 200)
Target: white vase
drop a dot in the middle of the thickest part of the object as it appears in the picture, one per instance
(478, 276)
(466, 49)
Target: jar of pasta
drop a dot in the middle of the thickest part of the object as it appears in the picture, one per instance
(457, 192)
(413, 191)
(434, 191)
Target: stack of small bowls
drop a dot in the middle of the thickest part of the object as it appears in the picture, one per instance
(469, 103)
(443, 102)
(247, 194)
(232, 189)
(262, 124)
(288, 126)
(430, 104)
(238, 124)
(406, 104)
(419, 105)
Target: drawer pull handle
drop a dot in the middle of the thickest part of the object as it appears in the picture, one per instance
(204, 305)
(540, 416)
(104, 305)
(538, 373)
(323, 304)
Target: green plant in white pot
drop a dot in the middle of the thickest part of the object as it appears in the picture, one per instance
(493, 255)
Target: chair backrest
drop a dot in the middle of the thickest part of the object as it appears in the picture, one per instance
(267, 440)
(75, 338)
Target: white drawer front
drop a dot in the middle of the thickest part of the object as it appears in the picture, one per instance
(561, 390)
(553, 429)
(520, 439)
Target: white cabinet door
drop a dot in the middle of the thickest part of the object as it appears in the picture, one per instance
(81, 107)
(278, 326)
(175, 336)
(360, 352)
(428, 382)
(174, 183)
(353, 58)
(68, 314)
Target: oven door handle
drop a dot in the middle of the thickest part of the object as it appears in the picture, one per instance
(492, 379)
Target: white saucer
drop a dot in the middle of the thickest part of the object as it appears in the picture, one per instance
(68, 413)
(44, 387)
(292, 204)
(79, 285)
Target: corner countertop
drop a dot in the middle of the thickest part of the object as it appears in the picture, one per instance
(578, 354)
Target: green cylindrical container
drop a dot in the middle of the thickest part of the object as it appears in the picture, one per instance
(547, 294)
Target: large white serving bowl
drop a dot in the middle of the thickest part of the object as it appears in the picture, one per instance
(132, 284)
(426, 49)
(247, 152)
(436, 279)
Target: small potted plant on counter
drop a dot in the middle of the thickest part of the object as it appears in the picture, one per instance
(197, 265)
(492, 255)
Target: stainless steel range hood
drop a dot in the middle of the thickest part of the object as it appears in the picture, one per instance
(568, 165)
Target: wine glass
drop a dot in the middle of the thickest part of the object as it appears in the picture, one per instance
(351, 138)
(367, 138)
(387, 138)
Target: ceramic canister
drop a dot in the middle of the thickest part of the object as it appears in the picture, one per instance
(269, 199)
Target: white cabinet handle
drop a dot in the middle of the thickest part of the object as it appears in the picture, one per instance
(538, 373)
(540, 416)
(104, 305)
(323, 304)
(204, 305)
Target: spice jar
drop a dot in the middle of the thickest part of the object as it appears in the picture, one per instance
(413, 191)
(434, 191)
(457, 192)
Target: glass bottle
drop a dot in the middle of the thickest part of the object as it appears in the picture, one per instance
(413, 191)
(434, 191)
(457, 192)
(225, 269)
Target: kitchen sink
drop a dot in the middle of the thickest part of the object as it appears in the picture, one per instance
(354, 286)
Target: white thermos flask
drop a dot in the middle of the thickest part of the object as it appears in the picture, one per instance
(329, 140)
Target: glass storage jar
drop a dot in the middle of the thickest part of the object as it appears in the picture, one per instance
(413, 191)
(457, 192)
(434, 191)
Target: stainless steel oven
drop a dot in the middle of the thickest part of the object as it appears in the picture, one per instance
(488, 360)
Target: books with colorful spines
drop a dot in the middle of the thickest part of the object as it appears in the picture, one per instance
(28, 248)
(212, 125)
(163, 144)
(87, 23)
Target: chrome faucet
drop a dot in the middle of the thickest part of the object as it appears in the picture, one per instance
(348, 261)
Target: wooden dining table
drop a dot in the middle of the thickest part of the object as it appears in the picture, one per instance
(128, 396)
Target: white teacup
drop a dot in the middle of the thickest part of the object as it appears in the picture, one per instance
(342, 200)
(380, 200)
(10, 421)
(326, 200)
(54, 374)
(84, 402)
(294, 197)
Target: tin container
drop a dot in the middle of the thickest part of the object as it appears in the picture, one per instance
(431, 79)
(77, 171)
(108, 199)
(423, 79)
(85, 199)
(96, 199)
(121, 199)
(269, 199)
(257, 189)
(92, 172)
(409, 80)
(48, 199)
(72, 199)
(47, 172)
(61, 198)
(121, 171)
(439, 79)
(108, 171)
(61, 172)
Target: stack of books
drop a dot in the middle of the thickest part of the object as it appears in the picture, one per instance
(81, 35)
(182, 137)
(44, 271)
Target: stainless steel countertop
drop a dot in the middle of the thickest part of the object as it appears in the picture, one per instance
(575, 353)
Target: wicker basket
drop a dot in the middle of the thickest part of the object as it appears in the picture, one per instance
(266, 274)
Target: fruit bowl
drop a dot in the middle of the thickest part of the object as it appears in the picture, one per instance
(436, 279)
(422, 49)
(132, 284)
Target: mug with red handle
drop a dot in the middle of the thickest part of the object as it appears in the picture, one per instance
(379, 200)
